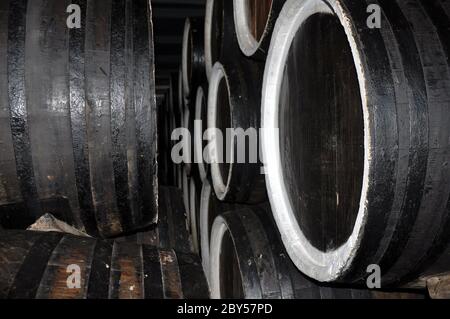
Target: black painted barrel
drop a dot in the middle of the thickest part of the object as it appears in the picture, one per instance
(233, 131)
(254, 21)
(78, 115)
(193, 56)
(58, 266)
(357, 136)
(247, 260)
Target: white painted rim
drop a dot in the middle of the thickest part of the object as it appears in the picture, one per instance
(247, 42)
(218, 231)
(221, 189)
(193, 200)
(322, 266)
(208, 26)
(198, 134)
(187, 146)
(186, 195)
(205, 199)
(184, 57)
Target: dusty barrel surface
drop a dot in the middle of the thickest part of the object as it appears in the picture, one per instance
(78, 116)
(357, 144)
(254, 21)
(233, 132)
(193, 56)
(248, 261)
(37, 267)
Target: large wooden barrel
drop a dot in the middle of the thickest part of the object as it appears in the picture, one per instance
(254, 21)
(78, 116)
(234, 104)
(40, 265)
(193, 56)
(248, 261)
(357, 135)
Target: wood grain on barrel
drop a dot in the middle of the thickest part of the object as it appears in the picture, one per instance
(52, 265)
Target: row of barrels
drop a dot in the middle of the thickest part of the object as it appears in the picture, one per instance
(354, 142)
(78, 140)
(155, 264)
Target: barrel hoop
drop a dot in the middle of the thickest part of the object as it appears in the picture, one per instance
(153, 284)
(28, 279)
(17, 105)
(99, 276)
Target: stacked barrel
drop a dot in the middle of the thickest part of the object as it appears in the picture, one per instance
(352, 160)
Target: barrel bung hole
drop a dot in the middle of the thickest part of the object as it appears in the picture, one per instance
(230, 276)
(258, 16)
(223, 118)
(322, 132)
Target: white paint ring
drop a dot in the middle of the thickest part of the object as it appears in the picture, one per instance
(198, 134)
(220, 187)
(247, 42)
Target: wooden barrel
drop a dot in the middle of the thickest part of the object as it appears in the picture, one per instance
(210, 208)
(234, 104)
(47, 266)
(193, 56)
(200, 126)
(357, 144)
(78, 116)
(248, 261)
(254, 21)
